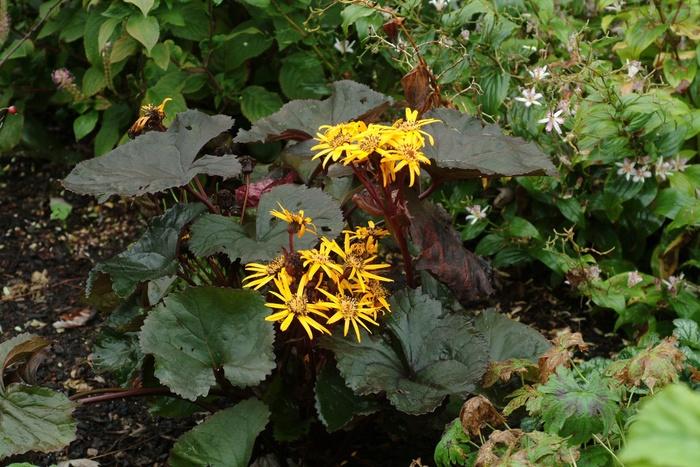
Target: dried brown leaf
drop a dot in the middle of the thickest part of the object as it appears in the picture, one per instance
(74, 318)
(560, 353)
(655, 366)
(477, 413)
(419, 90)
(503, 371)
(486, 457)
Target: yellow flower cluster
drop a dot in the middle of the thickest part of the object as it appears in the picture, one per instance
(327, 284)
(392, 147)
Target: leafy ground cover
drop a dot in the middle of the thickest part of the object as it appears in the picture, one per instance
(360, 263)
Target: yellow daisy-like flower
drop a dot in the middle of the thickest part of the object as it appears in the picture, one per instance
(377, 295)
(361, 268)
(319, 259)
(263, 273)
(335, 140)
(412, 125)
(407, 153)
(362, 233)
(373, 139)
(297, 219)
(351, 310)
(295, 305)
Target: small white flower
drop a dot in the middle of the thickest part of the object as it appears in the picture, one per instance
(538, 74)
(641, 174)
(530, 97)
(680, 164)
(626, 168)
(553, 120)
(615, 6)
(439, 4)
(663, 169)
(344, 47)
(446, 41)
(633, 67)
(465, 34)
(528, 48)
(673, 283)
(476, 213)
(634, 278)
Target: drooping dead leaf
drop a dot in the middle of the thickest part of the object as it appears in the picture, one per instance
(421, 92)
(655, 366)
(444, 256)
(21, 361)
(560, 353)
(74, 318)
(503, 371)
(486, 456)
(391, 28)
(477, 413)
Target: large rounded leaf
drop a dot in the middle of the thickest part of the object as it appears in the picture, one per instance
(301, 118)
(31, 418)
(507, 338)
(154, 254)
(666, 432)
(199, 330)
(427, 355)
(34, 419)
(156, 161)
(218, 234)
(225, 439)
(467, 148)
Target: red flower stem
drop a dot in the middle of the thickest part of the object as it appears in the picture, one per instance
(138, 392)
(389, 209)
(203, 199)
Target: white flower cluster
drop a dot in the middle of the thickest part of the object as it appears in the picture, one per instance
(638, 171)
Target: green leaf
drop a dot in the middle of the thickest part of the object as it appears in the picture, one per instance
(156, 161)
(60, 209)
(349, 101)
(93, 81)
(144, 29)
(199, 330)
(576, 408)
(225, 439)
(19, 48)
(507, 339)
(454, 447)
(152, 256)
(117, 354)
(144, 5)
(666, 430)
(336, 404)
(31, 418)
(84, 124)
(494, 84)
(257, 102)
(466, 148)
(114, 118)
(352, 13)
(426, 355)
(105, 33)
(302, 77)
(11, 131)
(161, 55)
(519, 227)
(219, 234)
(34, 419)
(231, 51)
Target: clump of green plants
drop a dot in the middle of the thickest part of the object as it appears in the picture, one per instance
(610, 90)
(87, 67)
(250, 282)
(600, 411)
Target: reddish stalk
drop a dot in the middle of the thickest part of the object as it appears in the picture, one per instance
(138, 392)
